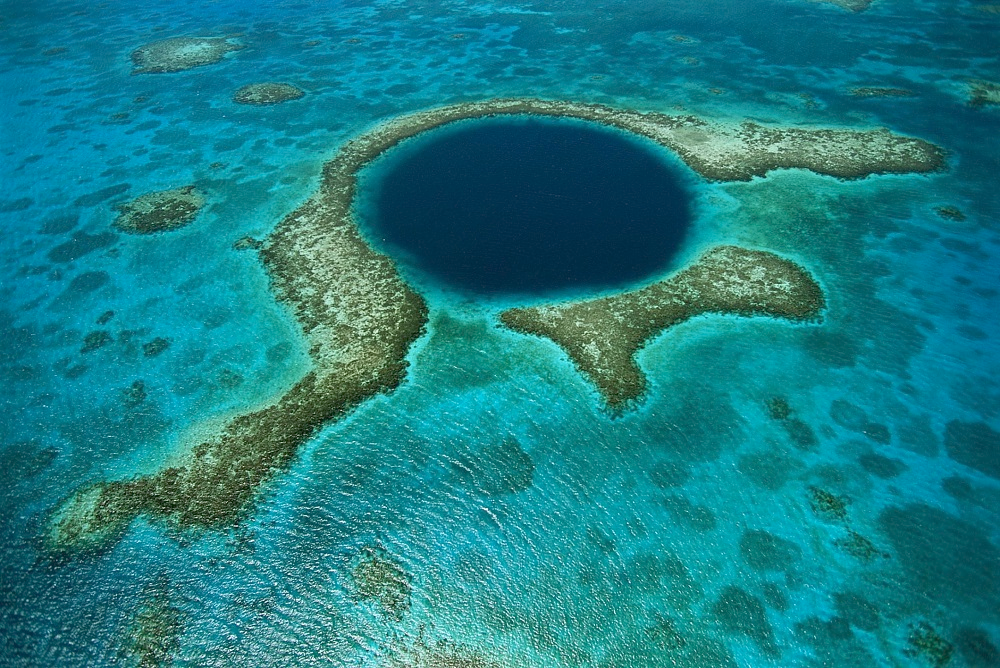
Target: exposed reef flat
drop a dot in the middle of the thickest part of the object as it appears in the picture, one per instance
(181, 53)
(267, 93)
(602, 335)
(984, 93)
(360, 318)
(160, 211)
(717, 151)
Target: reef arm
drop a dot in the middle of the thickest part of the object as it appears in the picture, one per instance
(359, 318)
(602, 336)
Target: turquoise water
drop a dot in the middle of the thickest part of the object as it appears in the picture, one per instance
(689, 531)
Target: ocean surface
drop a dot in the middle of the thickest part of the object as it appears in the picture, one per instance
(819, 494)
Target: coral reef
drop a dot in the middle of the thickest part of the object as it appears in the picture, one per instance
(155, 346)
(857, 546)
(159, 211)
(602, 336)
(875, 91)
(799, 432)
(983, 93)
(153, 638)
(360, 318)
(180, 53)
(949, 212)
(440, 654)
(496, 469)
(247, 243)
(266, 93)
(827, 505)
(95, 340)
(925, 641)
(742, 613)
(850, 5)
(378, 577)
(974, 444)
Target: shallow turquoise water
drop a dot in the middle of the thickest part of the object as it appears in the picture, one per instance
(689, 517)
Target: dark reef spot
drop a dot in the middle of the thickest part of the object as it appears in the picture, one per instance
(79, 245)
(926, 641)
(520, 206)
(88, 282)
(949, 212)
(763, 551)
(19, 204)
(882, 467)
(94, 340)
(774, 596)
(847, 415)
(743, 613)
(977, 648)
(769, 469)
(827, 505)
(974, 444)
(25, 459)
(832, 348)
(800, 434)
(669, 474)
(96, 197)
(971, 332)
(497, 468)
(105, 317)
(918, 436)
(697, 517)
(248, 243)
(857, 546)
(134, 395)
(59, 224)
(778, 408)
(857, 610)
(378, 577)
(948, 560)
(155, 347)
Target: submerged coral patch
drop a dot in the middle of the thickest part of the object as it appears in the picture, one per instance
(984, 93)
(877, 91)
(181, 53)
(160, 211)
(377, 576)
(975, 444)
(267, 93)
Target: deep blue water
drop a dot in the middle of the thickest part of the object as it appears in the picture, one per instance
(530, 207)
(689, 517)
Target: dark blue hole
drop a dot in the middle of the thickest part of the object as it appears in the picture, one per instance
(516, 206)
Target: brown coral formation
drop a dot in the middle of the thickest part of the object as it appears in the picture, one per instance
(180, 53)
(160, 211)
(267, 93)
(602, 336)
